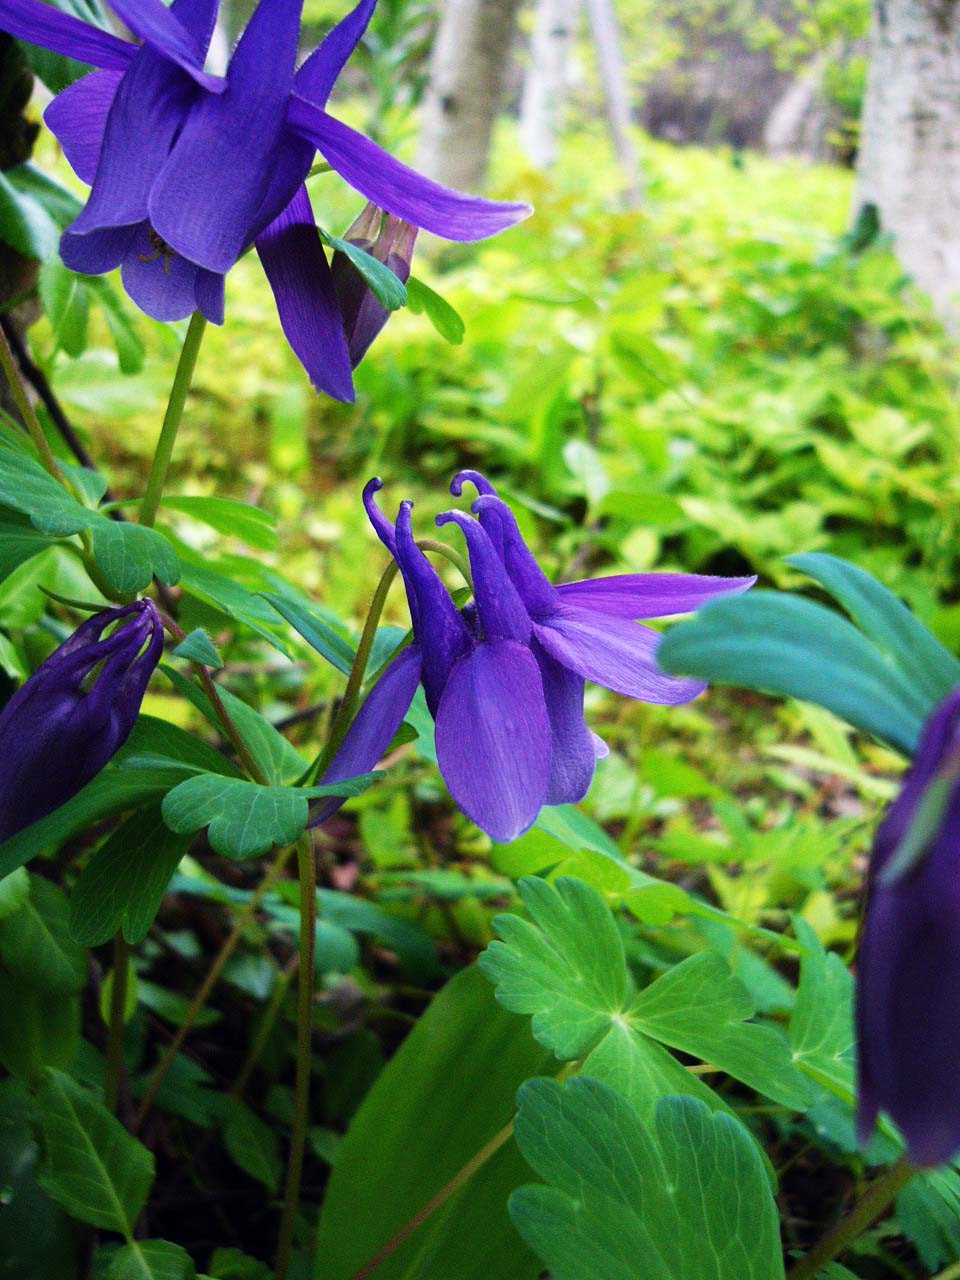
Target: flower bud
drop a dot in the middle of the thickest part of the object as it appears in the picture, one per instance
(74, 713)
(388, 239)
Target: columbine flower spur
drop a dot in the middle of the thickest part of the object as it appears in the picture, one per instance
(908, 989)
(65, 723)
(504, 676)
(188, 170)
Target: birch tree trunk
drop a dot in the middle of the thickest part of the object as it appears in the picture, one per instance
(467, 77)
(547, 80)
(616, 91)
(909, 162)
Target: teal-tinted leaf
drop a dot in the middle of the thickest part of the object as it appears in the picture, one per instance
(279, 761)
(122, 885)
(130, 555)
(91, 485)
(788, 645)
(888, 622)
(928, 1211)
(19, 541)
(441, 1098)
(690, 1199)
(25, 486)
(232, 598)
(36, 945)
(62, 205)
(383, 284)
(317, 632)
(151, 1260)
(252, 1144)
(14, 891)
(91, 1165)
(414, 948)
(421, 299)
(25, 224)
(158, 744)
(67, 305)
(244, 818)
(565, 966)
(821, 1028)
(699, 1007)
(198, 647)
(229, 516)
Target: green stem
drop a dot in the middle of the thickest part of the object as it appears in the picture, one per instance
(30, 419)
(458, 561)
(351, 695)
(244, 916)
(306, 865)
(118, 1001)
(874, 1202)
(172, 419)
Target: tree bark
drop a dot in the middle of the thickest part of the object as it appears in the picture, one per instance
(467, 78)
(616, 91)
(547, 80)
(909, 161)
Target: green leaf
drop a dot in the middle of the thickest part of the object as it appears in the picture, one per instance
(567, 968)
(318, 633)
(689, 1199)
(787, 645)
(62, 205)
(414, 948)
(252, 1144)
(441, 1098)
(25, 224)
(928, 1211)
(25, 486)
(122, 885)
(887, 621)
(19, 541)
(66, 303)
(14, 891)
(91, 1165)
(229, 516)
(130, 555)
(36, 945)
(38, 1028)
(383, 284)
(821, 1029)
(157, 744)
(244, 818)
(421, 299)
(198, 647)
(151, 1260)
(126, 339)
(231, 597)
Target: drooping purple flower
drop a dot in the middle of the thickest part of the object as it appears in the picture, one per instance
(908, 988)
(189, 170)
(504, 677)
(66, 722)
(388, 239)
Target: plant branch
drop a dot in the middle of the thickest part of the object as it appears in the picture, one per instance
(172, 419)
(307, 868)
(118, 1001)
(874, 1202)
(27, 412)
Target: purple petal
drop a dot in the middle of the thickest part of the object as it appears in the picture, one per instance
(42, 25)
(373, 728)
(162, 30)
(493, 738)
(300, 278)
(499, 607)
(316, 77)
(292, 159)
(78, 117)
(205, 201)
(617, 654)
(164, 285)
(382, 527)
(199, 19)
(148, 109)
(536, 591)
(574, 746)
(468, 476)
(396, 188)
(441, 631)
(209, 295)
(98, 252)
(650, 595)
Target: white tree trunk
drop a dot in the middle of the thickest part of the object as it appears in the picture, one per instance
(547, 80)
(797, 122)
(616, 90)
(467, 76)
(909, 162)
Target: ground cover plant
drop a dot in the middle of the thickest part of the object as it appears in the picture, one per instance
(381, 896)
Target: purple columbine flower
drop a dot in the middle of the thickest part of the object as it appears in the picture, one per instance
(908, 989)
(188, 169)
(504, 677)
(75, 712)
